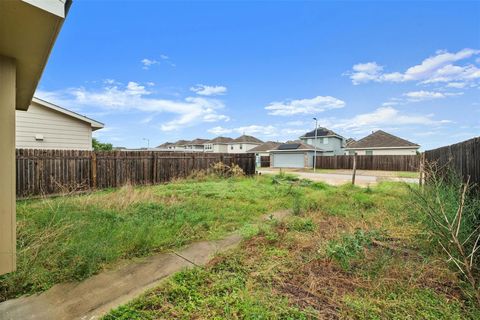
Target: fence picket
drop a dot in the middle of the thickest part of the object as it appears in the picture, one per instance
(54, 171)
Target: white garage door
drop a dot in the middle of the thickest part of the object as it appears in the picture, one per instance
(288, 160)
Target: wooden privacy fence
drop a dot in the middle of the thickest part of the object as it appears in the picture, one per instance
(463, 158)
(386, 163)
(55, 171)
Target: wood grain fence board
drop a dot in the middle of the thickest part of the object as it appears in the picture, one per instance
(463, 158)
(384, 162)
(57, 171)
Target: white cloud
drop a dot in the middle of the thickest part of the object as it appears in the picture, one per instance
(148, 62)
(434, 69)
(134, 96)
(268, 132)
(205, 90)
(381, 117)
(457, 85)
(304, 106)
(424, 95)
(365, 72)
(250, 130)
(417, 96)
(219, 130)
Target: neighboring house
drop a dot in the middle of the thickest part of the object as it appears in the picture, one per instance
(180, 145)
(243, 143)
(165, 145)
(263, 150)
(48, 126)
(382, 143)
(196, 145)
(328, 141)
(349, 141)
(293, 154)
(218, 144)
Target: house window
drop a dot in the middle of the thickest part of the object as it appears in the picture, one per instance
(231, 147)
(369, 152)
(351, 152)
(241, 146)
(325, 140)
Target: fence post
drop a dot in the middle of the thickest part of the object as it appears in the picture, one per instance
(354, 168)
(94, 170)
(422, 169)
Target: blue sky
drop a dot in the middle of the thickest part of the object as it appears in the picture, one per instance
(181, 70)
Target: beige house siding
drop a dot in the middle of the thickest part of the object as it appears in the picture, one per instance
(241, 147)
(59, 130)
(218, 148)
(385, 152)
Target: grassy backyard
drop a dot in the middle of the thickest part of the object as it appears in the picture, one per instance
(346, 253)
(73, 237)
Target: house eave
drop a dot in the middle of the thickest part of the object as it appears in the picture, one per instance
(96, 125)
(383, 148)
(28, 30)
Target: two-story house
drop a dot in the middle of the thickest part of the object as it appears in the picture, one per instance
(196, 145)
(218, 144)
(243, 144)
(328, 142)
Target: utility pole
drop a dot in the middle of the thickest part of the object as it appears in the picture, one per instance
(315, 147)
(148, 142)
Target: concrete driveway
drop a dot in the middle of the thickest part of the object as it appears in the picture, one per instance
(339, 178)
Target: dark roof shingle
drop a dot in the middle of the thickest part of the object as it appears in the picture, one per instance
(247, 139)
(198, 141)
(381, 139)
(269, 145)
(321, 132)
(223, 140)
(296, 145)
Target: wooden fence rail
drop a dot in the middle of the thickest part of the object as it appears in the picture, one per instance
(55, 171)
(386, 163)
(463, 158)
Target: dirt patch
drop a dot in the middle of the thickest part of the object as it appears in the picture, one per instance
(319, 284)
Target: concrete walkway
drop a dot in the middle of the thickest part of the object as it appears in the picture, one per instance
(95, 296)
(339, 179)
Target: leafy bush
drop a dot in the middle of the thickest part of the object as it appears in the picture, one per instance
(349, 247)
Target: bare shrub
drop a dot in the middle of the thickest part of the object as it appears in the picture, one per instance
(222, 170)
(452, 209)
(236, 171)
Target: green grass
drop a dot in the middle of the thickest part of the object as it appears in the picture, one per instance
(325, 262)
(73, 237)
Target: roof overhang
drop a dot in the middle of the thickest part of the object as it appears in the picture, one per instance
(324, 136)
(379, 148)
(28, 30)
(95, 124)
(294, 150)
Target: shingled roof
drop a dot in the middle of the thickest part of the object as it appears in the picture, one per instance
(269, 145)
(181, 142)
(247, 139)
(220, 140)
(295, 145)
(165, 145)
(321, 132)
(198, 141)
(381, 139)
(350, 141)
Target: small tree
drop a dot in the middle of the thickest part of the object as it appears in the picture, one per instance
(100, 146)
